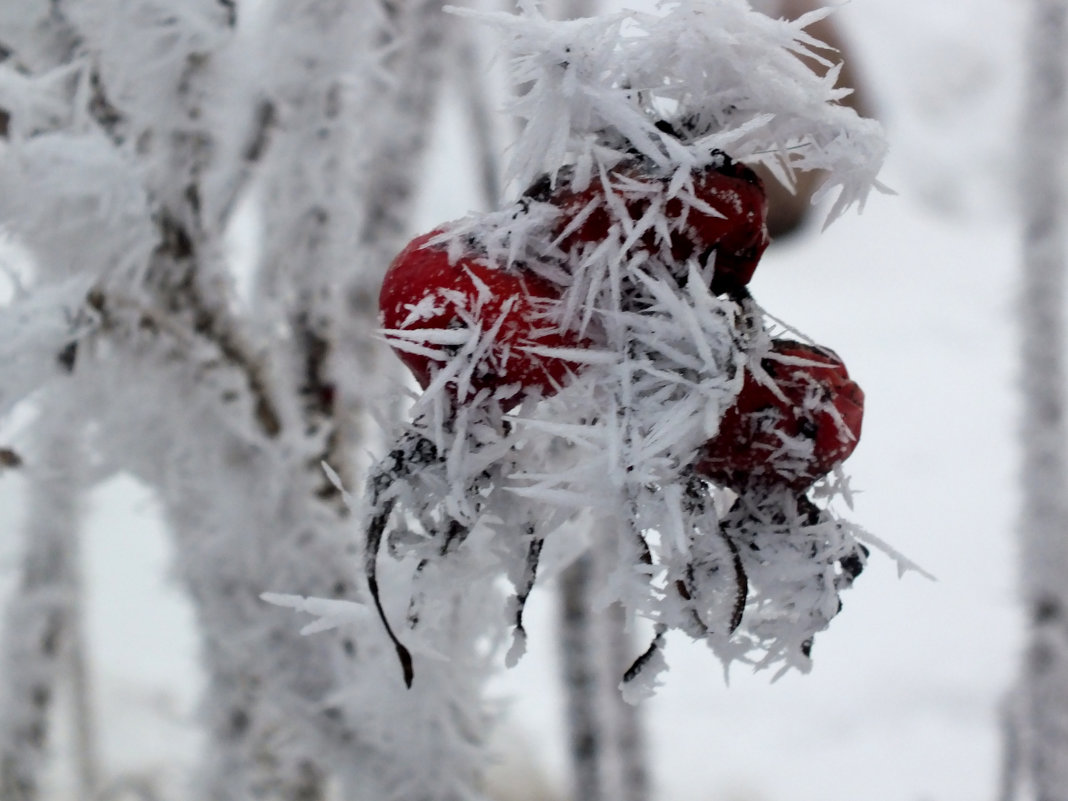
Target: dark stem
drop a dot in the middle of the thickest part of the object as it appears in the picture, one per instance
(374, 543)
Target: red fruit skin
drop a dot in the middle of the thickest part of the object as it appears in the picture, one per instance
(737, 239)
(423, 290)
(763, 441)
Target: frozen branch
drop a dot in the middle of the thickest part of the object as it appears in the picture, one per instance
(337, 193)
(607, 749)
(42, 619)
(583, 670)
(1013, 768)
(1044, 518)
(632, 756)
(128, 320)
(257, 141)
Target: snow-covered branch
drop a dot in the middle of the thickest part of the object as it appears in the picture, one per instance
(1044, 684)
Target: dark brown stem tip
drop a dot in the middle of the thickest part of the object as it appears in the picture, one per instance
(403, 654)
(639, 664)
(10, 458)
(405, 657)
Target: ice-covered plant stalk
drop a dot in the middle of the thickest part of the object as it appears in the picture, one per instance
(1044, 515)
(43, 623)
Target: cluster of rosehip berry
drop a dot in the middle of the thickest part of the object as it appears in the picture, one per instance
(484, 315)
(789, 428)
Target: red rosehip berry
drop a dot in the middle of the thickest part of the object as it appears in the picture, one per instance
(793, 440)
(728, 222)
(738, 238)
(425, 290)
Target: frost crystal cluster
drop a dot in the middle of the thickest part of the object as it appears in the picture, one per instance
(580, 350)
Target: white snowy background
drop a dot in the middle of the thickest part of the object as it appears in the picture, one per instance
(918, 296)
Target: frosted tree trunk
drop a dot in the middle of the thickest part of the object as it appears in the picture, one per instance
(605, 734)
(1044, 523)
(42, 621)
(582, 675)
(41, 641)
(630, 747)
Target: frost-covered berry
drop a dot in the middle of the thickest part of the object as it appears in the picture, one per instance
(789, 439)
(472, 316)
(721, 216)
(738, 238)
